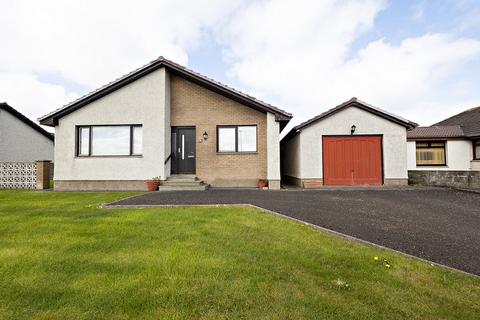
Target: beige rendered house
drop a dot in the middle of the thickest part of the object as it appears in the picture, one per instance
(165, 120)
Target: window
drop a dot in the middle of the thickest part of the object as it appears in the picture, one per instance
(116, 140)
(84, 141)
(137, 140)
(430, 153)
(226, 139)
(476, 150)
(237, 138)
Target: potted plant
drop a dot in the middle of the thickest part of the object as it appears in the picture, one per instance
(262, 183)
(153, 183)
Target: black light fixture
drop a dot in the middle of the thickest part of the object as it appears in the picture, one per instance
(205, 136)
(353, 128)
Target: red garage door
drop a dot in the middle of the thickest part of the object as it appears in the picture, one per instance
(355, 160)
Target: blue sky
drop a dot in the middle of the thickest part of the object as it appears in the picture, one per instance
(418, 59)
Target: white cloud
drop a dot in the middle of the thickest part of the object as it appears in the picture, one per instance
(304, 56)
(299, 55)
(93, 42)
(27, 94)
(418, 11)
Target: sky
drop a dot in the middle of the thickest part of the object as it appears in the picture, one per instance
(417, 59)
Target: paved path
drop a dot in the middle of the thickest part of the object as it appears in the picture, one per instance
(439, 225)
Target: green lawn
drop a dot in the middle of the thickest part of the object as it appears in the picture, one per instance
(63, 257)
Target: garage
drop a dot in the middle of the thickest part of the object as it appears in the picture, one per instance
(352, 144)
(349, 161)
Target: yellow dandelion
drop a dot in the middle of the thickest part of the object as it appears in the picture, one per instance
(375, 258)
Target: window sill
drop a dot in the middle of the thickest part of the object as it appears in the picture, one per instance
(431, 165)
(237, 153)
(94, 157)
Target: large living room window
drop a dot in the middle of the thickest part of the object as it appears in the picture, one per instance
(237, 138)
(430, 153)
(476, 150)
(109, 140)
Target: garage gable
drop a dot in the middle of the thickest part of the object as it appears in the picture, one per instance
(356, 103)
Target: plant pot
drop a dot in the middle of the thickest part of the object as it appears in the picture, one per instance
(152, 185)
(262, 184)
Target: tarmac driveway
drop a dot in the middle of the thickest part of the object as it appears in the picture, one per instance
(440, 225)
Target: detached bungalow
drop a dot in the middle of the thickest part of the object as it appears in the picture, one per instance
(448, 152)
(165, 120)
(352, 144)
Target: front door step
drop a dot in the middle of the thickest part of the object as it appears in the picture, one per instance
(182, 182)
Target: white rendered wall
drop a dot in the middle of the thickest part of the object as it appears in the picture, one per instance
(291, 155)
(273, 148)
(475, 164)
(20, 142)
(140, 102)
(394, 141)
(459, 156)
(167, 129)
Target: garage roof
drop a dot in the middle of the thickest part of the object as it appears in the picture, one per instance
(282, 116)
(353, 102)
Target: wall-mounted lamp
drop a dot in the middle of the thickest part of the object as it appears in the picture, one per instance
(352, 129)
(205, 136)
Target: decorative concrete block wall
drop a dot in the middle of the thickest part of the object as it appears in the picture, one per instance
(457, 179)
(25, 175)
(18, 175)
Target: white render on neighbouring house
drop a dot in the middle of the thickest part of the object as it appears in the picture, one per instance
(302, 149)
(22, 140)
(446, 153)
(459, 155)
(456, 144)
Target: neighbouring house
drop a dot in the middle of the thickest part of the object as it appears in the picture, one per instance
(351, 144)
(165, 120)
(446, 153)
(21, 139)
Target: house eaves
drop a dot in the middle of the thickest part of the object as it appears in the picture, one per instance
(282, 116)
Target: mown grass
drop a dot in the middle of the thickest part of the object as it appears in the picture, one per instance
(61, 257)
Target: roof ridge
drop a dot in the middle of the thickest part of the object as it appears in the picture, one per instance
(225, 85)
(346, 103)
(458, 114)
(161, 60)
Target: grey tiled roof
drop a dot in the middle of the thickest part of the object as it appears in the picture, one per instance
(469, 120)
(49, 119)
(435, 132)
